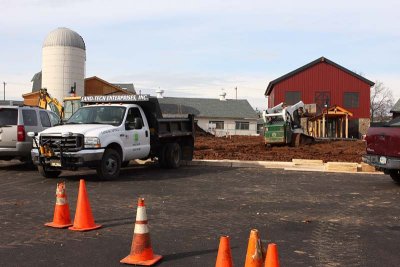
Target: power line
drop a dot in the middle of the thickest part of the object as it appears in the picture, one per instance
(4, 83)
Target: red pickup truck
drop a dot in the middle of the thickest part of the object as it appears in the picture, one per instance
(383, 149)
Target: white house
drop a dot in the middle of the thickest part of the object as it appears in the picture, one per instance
(217, 116)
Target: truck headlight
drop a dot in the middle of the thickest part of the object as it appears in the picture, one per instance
(382, 160)
(92, 142)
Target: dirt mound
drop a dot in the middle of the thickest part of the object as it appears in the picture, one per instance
(201, 132)
(252, 148)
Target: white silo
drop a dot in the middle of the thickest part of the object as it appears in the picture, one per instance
(63, 63)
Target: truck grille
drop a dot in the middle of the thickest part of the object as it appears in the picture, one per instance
(69, 144)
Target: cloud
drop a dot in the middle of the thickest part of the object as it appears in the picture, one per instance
(197, 48)
(313, 15)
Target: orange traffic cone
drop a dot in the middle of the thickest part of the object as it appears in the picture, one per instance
(61, 218)
(254, 257)
(224, 257)
(141, 250)
(272, 259)
(83, 216)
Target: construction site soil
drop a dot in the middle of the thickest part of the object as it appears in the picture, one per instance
(252, 148)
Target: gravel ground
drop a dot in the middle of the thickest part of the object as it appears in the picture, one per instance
(316, 219)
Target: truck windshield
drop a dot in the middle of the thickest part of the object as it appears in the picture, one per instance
(98, 115)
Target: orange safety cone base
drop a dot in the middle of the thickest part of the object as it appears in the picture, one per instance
(129, 260)
(73, 228)
(55, 225)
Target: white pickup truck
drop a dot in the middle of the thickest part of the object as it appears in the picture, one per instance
(110, 131)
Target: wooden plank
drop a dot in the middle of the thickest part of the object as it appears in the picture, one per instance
(367, 168)
(341, 166)
(307, 162)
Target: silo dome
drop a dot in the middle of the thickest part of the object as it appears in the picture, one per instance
(63, 63)
(64, 37)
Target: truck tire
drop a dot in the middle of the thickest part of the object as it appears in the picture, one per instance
(162, 160)
(110, 165)
(48, 173)
(296, 138)
(173, 155)
(395, 175)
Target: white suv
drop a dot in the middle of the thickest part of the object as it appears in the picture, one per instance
(15, 123)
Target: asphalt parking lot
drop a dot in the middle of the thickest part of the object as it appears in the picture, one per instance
(316, 219)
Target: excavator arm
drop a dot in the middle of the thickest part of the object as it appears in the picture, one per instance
(45, 100)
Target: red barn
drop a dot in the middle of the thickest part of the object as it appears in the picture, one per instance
(325, 83)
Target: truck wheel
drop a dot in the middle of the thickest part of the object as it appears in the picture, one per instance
(395, 174)
(161, 158)
(173, 155)
(110, 165)
(48, 173)
(296, 140)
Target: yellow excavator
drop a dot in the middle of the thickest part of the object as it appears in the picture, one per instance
(43, 99)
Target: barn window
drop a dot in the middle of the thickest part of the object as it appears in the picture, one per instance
(351, 100)
(323, 100)
(219, 125)
(242, 125)
(292, 97)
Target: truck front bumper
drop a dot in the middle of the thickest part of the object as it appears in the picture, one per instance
(83, 158)
(382, 162)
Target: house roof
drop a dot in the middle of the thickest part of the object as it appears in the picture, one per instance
(37, 84)
(309, 65)
(11, 102)
(206, 107)
(115, 86)
(126, 86)
(334, 111)
(396, 107)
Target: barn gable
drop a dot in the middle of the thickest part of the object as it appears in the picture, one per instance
(272, 84)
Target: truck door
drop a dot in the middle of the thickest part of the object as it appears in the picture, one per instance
(137, 136)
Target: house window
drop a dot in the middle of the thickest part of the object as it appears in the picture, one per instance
(351, 100)
(292, 98)
(242, 125)
(219, 125)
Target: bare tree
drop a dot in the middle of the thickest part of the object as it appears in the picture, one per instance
(381, 102)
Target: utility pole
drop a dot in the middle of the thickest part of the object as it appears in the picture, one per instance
(236, 92)
(4, 83)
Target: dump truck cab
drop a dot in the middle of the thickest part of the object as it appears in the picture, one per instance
(110, 131)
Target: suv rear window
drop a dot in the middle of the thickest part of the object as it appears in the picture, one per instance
(30, 118)
(8, 116)
(44, 118)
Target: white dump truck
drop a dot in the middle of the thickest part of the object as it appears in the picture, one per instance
(108, 132)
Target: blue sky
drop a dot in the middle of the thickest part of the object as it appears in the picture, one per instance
(199, 48)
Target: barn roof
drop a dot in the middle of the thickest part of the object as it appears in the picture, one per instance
(321, 59)
(206, 107)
